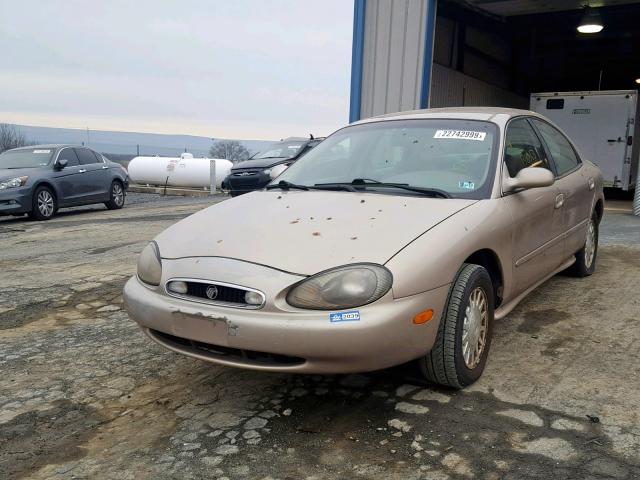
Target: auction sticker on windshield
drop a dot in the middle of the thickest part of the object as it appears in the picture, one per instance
(461, 134)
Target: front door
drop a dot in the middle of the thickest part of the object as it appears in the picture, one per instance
(68, 181)
(537, 219)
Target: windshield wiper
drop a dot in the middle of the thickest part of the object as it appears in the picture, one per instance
(335, 186)
(284, 185)
(361, 183)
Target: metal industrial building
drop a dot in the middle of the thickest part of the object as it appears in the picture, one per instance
(410, 54)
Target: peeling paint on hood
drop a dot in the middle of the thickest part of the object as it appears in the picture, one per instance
(306, 232)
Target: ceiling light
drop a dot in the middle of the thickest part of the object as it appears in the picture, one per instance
(591, 21)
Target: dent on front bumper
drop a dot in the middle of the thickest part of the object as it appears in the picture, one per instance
(299, 341)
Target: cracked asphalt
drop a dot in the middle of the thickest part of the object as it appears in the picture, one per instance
(84, 394)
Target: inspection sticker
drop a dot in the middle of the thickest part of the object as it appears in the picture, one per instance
(467, 185)
(351, 316)
(461, 134)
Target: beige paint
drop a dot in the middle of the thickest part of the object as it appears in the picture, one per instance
(269, 240)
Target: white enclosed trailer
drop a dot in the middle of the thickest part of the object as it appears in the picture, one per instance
(603, 125)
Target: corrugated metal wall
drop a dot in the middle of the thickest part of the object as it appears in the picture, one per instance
(450, 88)
(394, 39)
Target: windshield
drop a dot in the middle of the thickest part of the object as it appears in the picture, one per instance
(281, 150)
(26, 158)
(453, 156)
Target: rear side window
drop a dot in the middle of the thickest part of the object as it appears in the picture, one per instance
(98, 156)
(86, 156)
(70, 156)
(523, 148)
(564, 156)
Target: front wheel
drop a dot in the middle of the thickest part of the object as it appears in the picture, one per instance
(44, 204)
(460, 352)
(116, 200)
(585, 263)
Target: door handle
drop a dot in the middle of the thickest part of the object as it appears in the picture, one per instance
(105, 167)
(592, 183)
(82, 170)
(559, 200)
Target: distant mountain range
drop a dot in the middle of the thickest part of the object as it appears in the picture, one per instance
(130, 143)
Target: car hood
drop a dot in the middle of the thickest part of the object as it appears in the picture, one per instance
(306, 232)
(17, 172)
(259, 163)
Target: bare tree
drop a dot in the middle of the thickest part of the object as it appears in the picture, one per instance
(229, 149)
(11, 137)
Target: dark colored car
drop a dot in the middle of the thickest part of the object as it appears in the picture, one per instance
(39, 179)
(257, 172)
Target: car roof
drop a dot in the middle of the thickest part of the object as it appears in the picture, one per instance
(51, 146)
(494, 114)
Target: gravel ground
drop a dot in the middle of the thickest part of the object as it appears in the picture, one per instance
(84, 394)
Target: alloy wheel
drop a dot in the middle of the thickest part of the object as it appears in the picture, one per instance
(45, 203)
(474, 328)
(590, 244)
(118, 194)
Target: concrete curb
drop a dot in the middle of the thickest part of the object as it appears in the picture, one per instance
(178, 191)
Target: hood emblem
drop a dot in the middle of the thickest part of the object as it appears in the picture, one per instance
(211, 292)
(244, 174)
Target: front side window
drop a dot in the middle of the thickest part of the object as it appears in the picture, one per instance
(564, 156)
(70, 156)
(523, 148)
(25, 158)
(454, 156)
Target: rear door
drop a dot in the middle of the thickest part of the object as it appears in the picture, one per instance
(69, 180)
(537, 221)
(96, 179)
(576, 188)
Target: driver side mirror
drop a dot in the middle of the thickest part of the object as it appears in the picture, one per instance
(533, 177)
(277, 170)
(60, 164)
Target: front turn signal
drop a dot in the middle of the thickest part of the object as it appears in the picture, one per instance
(423, 317)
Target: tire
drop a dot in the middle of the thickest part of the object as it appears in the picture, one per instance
(116, 196)
(585, 263)
(446, 364)
(43, 204)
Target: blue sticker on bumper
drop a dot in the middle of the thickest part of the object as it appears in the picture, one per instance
(351, 316)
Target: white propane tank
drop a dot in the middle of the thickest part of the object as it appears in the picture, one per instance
(185, 171)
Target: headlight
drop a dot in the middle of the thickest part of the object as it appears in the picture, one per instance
(342, 287)
(13, 182)
(149, 265)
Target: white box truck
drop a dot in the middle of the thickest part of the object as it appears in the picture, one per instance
(603, 124)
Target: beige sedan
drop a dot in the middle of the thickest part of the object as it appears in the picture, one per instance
(398, 238)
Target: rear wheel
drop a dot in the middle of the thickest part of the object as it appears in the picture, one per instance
(44, 204)
(117, 196)
(459, 354)
(585, 263)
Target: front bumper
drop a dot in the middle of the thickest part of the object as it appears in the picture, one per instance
(15, 200)
(238, 185)
(271, 339)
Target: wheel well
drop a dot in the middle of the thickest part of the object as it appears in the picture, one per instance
(599, 208)
(489, 260)
(49, 186)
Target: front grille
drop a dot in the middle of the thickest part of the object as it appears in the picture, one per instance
(221, 352)
(220, 293)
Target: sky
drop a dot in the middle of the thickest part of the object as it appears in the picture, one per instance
(246, 69)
